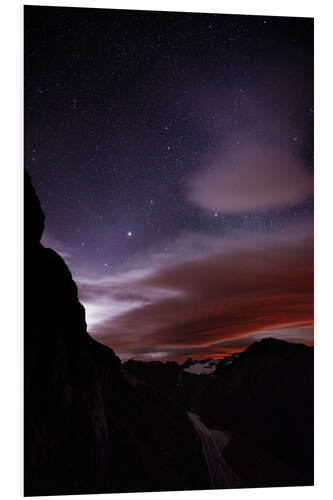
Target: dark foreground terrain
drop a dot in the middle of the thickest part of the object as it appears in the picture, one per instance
(93, 425)
(262, 399)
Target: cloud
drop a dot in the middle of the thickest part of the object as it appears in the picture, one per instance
(194, 306)
(254, 178)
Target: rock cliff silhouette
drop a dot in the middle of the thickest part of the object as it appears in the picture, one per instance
(87, 429)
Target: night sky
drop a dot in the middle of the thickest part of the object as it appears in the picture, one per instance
(173, 157)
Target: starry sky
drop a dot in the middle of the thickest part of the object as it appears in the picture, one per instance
(173, 157)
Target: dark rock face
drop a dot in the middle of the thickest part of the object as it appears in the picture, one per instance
(89, 428)
(266, 394)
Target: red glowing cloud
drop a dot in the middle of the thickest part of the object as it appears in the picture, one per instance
(194, 307)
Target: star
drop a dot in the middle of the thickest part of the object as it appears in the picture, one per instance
(102, 171)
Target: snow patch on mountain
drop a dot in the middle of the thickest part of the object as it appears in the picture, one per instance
(199, 368)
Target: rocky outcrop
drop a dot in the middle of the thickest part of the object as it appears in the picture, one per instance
(88, 427)
(266, 395)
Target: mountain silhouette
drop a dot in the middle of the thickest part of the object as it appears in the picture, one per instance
(87, 427)
(262, 397)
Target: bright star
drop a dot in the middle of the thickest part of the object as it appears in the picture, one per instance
(129, 234)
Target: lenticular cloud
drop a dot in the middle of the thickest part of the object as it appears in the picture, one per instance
(253, 178)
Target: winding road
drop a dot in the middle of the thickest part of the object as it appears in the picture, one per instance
(213, 441)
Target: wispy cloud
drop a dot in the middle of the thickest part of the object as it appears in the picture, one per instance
(186, 305)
